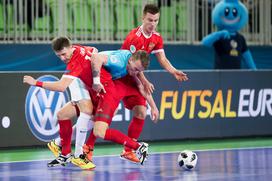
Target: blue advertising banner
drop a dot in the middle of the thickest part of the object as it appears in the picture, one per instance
(211, 104)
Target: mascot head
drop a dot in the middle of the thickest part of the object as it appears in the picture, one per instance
(230, 15)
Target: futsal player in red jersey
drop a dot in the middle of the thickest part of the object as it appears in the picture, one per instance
(124, 68)
(145, 38)
(78, 78)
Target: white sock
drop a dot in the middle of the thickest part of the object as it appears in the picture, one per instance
(81, 132)
(74, 132)
(90, 125)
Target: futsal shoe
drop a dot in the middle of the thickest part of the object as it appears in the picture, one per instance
(130, 156)
(83, 163)
(142, 152)
(54, 148)
(88, 152)
(61, 160)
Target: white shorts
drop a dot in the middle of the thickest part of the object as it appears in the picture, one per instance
(78, 90)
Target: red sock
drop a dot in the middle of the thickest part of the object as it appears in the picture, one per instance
(91, 140)
(135, 129)
(65, 135)
(120, 138)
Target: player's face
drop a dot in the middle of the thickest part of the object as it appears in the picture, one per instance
(134, 67)
(65, 54)
(150, 22)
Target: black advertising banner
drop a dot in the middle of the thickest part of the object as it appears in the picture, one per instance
(211, 104)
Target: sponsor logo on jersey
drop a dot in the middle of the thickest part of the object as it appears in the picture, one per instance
(132, 49)
(41, 107)
(114, 58)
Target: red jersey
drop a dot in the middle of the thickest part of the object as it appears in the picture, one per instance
(80, 66)
(137, 40)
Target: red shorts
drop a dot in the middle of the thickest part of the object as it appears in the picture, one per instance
(105, 104)
(128, 92)
(121, 89)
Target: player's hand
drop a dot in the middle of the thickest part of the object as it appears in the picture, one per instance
(148, 87)
(99, 88)
(180, 76)
(29, 80)
(154, 114)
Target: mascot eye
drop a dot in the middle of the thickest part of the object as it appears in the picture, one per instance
(227, 11)
(234, 12)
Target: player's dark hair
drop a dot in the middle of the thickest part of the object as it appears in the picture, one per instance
(59, 43)
(151, 8)
(143, 56)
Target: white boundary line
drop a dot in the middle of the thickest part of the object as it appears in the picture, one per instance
(220, 149)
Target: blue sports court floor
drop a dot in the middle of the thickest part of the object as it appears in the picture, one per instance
(237, 164)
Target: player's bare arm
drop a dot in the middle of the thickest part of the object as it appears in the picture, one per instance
(165, 63)
(150, 100)
(60, 85)
(148, 86)
(97, 60)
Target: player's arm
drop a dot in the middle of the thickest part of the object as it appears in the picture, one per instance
(148, 86)
(164, 62)
(60, 85)
(150, 100)
(97, 61)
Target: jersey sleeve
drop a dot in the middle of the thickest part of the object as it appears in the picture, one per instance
(90, 50)
(159, 45)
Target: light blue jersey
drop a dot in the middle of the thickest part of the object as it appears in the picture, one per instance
(117, 62)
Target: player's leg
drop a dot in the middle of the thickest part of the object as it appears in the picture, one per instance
(134, 131)
(137, 123)
(82, 125)
(137, 103)
(102, 130)
(64, 116)
(81, 96)
(67, 112)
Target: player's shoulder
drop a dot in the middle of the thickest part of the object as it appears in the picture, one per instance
(79, 50)
(124, 52)
(156, 34)
(135, 32)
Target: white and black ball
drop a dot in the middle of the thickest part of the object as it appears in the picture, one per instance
(187, 159)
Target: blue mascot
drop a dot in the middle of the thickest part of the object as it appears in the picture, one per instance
(230, 46)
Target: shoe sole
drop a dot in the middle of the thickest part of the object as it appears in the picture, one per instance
(123, 158)
(82, 167)
(62, 164)
(55, 165)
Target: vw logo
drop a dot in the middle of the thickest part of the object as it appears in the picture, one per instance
(41, 107)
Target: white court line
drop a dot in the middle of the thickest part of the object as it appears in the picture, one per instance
(206, 150)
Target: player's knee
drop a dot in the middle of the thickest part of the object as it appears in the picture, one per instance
(99, 131)
(86, 107)
(61, 115)
(140, 113)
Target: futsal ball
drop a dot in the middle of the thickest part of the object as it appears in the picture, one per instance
(187, 159)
